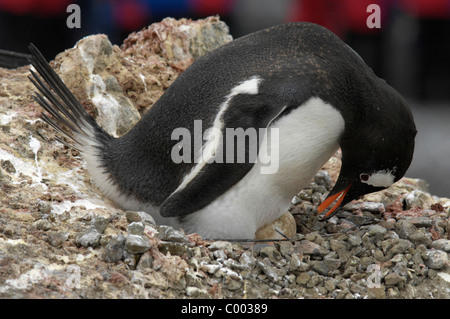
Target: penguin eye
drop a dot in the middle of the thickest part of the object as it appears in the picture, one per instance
(364, 177)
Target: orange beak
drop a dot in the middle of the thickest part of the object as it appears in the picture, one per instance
(329, 200)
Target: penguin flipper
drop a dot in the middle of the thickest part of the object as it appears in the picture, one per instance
(209, 181)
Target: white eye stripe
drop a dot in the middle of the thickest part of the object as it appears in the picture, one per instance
(382, 178)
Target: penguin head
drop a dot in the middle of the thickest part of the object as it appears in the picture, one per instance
(376, 153)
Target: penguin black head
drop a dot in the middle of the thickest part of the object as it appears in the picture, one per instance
(377, 149)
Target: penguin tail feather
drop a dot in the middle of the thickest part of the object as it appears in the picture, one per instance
(67, 115)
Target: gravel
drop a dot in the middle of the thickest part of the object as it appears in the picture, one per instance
(373, 256)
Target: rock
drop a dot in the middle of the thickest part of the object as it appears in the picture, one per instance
(421, 221)
(89, 238)
(114, 249)
(419, 199)
(247, 261)
(339, 246)
(285, 224)
(146, 261)
(407, 230)
(365, 206)
(393, 279)
(325, 267)
(392, 247)
(135, 244)
(92, 69)
(43, 224)
(174, 248)
(441, 244)
(57, 238)
(436, 259)
(323, 178)
(140, 217)
(136, 228)
(377, 231)
(354, 240)
(421, 238)
(100, 223)
(307, 247)
(377, 292)
(168, 233)
(303, 278)
(273, 273)
(270, 252)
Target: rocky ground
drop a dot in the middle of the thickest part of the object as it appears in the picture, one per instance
(60, 238)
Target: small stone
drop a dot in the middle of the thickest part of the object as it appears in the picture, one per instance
(303, 278)
(136, 244)
(132, 216)
(367, 261)
(221, 245)
(442, 244)
(146, 261)
(294, 263)
(349, 271)
(114, 249)
(100, 223)
(8, 166)
(365, 206)
(323, 178)
(315, 237)
(136, 228)
(143, 217)
(421, 238)
(296, 200)
(313, 281)
(271, 252)
(418, 198)
(377, 231)
(339, 246)
(196, 292)
(393, 279)
(377, 292)
(324, 267)
(57, 238)
(273, 273)
(421, 221)
(44, 208)
(437, 259)
(285, 248)
(320, 189)
(396, 246)
(247, 260)
(89, 238)
(329, 285)
(354, 240)
(43, 224)
(307, 247)
(405, 228)
(174, 248)
(168, 233)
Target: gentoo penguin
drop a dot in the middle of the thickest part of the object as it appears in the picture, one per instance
(297, 86)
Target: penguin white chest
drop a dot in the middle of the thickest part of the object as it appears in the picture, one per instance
(305, 139)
